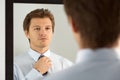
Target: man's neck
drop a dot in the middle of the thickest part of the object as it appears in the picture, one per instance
(40, 50)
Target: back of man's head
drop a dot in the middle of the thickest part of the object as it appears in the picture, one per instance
(97, 21)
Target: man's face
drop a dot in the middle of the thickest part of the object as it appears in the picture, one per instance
(40, 32)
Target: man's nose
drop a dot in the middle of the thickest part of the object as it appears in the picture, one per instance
(42, 32)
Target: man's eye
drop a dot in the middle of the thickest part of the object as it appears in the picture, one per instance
(37, 29)
(48, 28)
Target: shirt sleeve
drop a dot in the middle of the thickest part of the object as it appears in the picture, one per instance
(32, 75)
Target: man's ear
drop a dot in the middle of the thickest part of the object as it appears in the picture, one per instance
(26, 34)
(72, 23)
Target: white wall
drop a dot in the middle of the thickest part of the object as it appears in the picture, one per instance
(118, 49)
(2, 39)
(63, 42)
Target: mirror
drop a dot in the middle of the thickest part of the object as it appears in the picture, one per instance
(63, 42)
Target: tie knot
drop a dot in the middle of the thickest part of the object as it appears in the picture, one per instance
(41, 56)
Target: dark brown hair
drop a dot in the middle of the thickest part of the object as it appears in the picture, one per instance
(96, 20)
(38, 13)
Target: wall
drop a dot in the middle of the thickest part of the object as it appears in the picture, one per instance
(2, 39)
(63, 42)
(118, 49)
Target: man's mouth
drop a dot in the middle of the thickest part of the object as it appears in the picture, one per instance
(43, 39)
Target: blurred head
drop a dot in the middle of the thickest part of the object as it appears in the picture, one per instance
(95, 23)
(38, 26)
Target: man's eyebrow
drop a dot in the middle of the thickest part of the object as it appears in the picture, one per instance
(36, 26)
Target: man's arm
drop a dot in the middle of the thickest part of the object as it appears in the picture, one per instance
(32, 75)
(39, 68)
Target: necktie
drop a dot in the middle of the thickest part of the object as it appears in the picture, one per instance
(41, 56)
(38, 59)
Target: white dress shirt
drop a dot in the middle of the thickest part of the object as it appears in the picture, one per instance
(23, 65)
(99, 64)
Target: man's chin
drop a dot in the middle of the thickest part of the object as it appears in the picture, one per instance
(43, 46)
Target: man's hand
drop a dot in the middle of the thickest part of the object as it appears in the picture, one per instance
(43, 64)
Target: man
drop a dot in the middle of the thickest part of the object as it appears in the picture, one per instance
(39, 61)
(96, 28)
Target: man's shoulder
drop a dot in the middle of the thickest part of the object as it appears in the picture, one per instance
(60, 58)
(88, 72)
(66, 74)
(53, 54)
(20, 56)
(57, 56)
(22, 59)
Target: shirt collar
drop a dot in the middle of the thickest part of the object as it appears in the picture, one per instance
(98, 54)
(35, 55)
